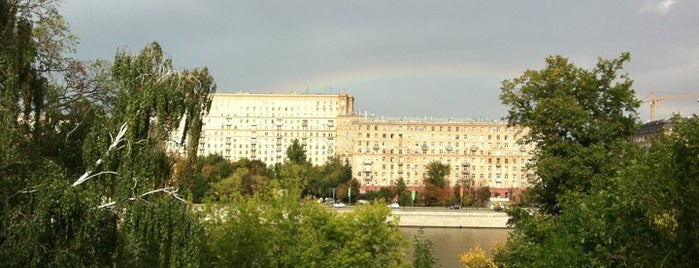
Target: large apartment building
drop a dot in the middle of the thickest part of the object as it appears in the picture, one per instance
(262, 126)
(479, 153)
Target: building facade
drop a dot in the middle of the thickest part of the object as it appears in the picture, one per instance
(262, 126)
(478, 153)
(653, 129)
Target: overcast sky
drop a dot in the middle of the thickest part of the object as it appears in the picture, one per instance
(402, 58)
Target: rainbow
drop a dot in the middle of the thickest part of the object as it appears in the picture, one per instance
(346, 79)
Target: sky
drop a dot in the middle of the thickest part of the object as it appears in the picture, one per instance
(403, 58)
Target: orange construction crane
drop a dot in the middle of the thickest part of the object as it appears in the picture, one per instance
(653, 100)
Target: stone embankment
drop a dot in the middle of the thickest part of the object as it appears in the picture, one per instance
(450, 218)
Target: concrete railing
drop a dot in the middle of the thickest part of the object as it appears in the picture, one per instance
(451, 219)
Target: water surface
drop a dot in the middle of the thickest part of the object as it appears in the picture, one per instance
(450, 242)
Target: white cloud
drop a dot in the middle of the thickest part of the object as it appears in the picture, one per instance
(661, 7)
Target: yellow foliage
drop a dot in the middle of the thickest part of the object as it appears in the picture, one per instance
(476, 258)
(666, 223)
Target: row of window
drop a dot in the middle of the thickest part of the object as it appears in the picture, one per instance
(432, 136)
(433, 128)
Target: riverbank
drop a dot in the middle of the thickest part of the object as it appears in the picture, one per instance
(451, 218)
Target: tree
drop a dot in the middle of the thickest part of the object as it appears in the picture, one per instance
(651, 197)
(295, 153)
(476, 258)
(433, 195)
(123, 210)
(423, 251)
(580, 121)
(435, 192)
(437, 172)
(404, 197)
(287, 233)
(43, 222)
(322, 179)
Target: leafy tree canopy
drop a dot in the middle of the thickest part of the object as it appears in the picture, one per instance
(296, 153)
(437, 172)
(580, 121)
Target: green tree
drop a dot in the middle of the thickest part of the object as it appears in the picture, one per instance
(580, 121)
(437, 172)
(124, 209)
(404, 197)
(43, 222)
(296, 153)
(649, 197)
(288, 233)
(423, 251)
(209, 170)
(322, 179)
(435, 192)
(387, 193)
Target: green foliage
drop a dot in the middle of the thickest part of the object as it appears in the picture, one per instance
(423, 252)
(287, 233)
(580, 121)
(160, 232)
(56, 225)
(404, 197)
(650, 198)
(333, 174)
(436, 173)
(435, 192)
(296, 154)
(110, 216)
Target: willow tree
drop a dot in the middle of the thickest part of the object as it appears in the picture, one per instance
(21, 89)
(43, 222)
(579, 119)
(153, 98)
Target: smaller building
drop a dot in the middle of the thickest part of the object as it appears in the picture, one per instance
(653, 129)
(478, 153)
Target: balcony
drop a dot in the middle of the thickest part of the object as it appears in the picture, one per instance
(449, 148)
(376, 147)
(474, 148)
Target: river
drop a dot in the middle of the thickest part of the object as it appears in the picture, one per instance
(449, 243)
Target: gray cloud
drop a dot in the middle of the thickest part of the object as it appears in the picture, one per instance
(401, 58)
